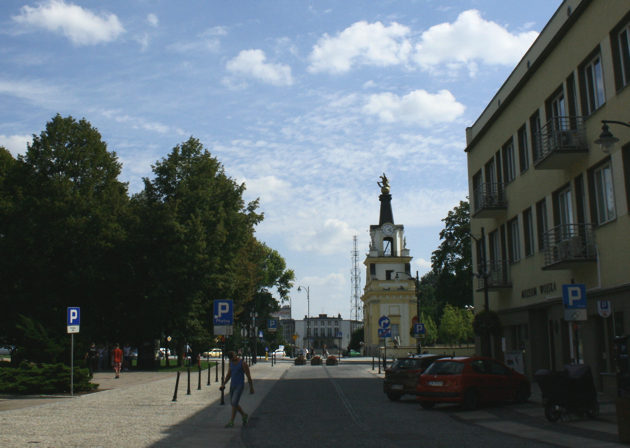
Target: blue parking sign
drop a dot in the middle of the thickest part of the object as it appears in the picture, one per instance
(223, 312)
(574, 296)
(73, 319)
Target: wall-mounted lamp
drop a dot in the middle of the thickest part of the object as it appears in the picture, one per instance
(606, 139)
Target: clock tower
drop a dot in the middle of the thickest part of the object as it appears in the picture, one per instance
(390, 289)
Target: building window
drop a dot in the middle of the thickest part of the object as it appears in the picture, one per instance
(528, 230)
(395, 330)
(557, 111)
(514, 240)
(509, 163)
(592, 83)
(623, 55)
(542, 223)
(495, 247)
(604, 194)
(523, 152)
(535, 135)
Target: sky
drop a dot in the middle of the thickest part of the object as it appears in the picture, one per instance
(306, 102)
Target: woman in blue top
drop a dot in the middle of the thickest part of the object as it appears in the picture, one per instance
(237, 372)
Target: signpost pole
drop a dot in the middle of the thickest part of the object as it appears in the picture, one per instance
(71, 364)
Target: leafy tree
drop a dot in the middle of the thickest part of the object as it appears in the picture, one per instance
(62, 210)
(452, 261)
(192, 226)
(456, 325)
(431, 329)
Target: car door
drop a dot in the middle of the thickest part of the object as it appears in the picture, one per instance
(499, 376)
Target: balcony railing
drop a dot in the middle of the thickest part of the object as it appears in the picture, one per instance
(489, 200)
(568, 244)
(498, 276)
(559, 142)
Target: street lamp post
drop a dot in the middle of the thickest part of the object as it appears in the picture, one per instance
(606, 139)
(308, 314)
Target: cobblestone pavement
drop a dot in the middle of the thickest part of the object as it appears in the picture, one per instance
(135, 410)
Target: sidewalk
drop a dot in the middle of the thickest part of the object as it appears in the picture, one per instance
(603, 428)
(136, 410)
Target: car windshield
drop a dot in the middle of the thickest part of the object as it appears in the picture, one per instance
(405, 364)
(445, 368)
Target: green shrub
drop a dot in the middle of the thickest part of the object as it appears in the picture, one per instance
(30, 378)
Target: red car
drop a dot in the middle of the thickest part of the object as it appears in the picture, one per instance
(469, 382)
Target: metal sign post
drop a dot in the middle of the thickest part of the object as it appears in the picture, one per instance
(73, 322)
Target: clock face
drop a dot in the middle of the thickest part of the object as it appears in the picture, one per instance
(388, 229)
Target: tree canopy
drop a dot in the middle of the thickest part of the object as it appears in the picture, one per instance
(140, 267)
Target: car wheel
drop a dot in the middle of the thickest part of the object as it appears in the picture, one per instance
(553, 412)
(427, 404)
(471, 400)
(393, 396)
(522, 394)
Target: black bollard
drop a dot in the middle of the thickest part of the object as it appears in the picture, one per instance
(188, 392)
(199, 382)
(176, 386)
(379, 363)
(372, 362)
(216, 371)
(208, 370)
(222, 379)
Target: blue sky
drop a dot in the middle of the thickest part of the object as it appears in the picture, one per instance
(306, 102)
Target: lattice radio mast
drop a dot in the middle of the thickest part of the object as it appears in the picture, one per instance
(355, 307)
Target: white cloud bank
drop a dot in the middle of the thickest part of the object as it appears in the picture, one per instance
(361, 44)
(79, 25)
(251, 64)
(468, 40)
(471, 38)
(418, 107)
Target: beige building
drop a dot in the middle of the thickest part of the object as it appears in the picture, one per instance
(549, 206)
(390, 289)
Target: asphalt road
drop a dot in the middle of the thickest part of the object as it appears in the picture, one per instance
(345, 406)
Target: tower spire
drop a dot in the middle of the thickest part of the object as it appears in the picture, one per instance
(386, 202)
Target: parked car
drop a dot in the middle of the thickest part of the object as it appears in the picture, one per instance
(352, 353)
(402, 377)
(213, 353)
(470, 381)
(279, 353)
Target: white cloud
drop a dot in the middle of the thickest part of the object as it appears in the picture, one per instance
(35, 92)
(471, 38)
(418, 107)
(422, 266)
(16, 144)
(251, 63)
(361, 43)
(323, 237)
(153, 20)
(79, 25)
(267, 188)
(141, 123)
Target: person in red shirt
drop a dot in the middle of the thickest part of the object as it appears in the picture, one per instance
(117, 358)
